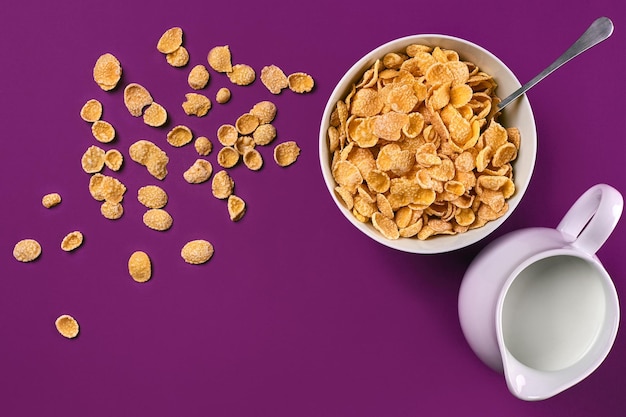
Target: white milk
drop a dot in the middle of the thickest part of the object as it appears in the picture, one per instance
(553, 312)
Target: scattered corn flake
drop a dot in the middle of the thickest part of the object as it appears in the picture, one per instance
(50, 200)
(196, 104)
(286, 153)
(106, 188)
(274, 79)
(300, 82)
(72, 241)
(265, 111)
(244, 144)
(152, 196)
(178, 58)
(246, 123)
(140, 266)
(264, 134)
(203, 145)
(67, 326)
(155, 115)
(136, 97)
(236, 207)
(157, 219)
(227, 135)
(151, 156)
(179, 136)
(107, 72)
(92, 160)
(91, 111)
(111, 211)
(198, 77)
(103, 131)
(223, 95)
(241, 74)
(219, 59)
(170, 41)
(197, 252)
(253, 159)
(199, 172)
(27, 250)
(222, 185)
(227, 157)
(113, 159)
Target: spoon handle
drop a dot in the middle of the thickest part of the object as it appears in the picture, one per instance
(599, 30)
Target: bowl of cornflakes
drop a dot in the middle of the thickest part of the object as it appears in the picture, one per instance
(414, 150)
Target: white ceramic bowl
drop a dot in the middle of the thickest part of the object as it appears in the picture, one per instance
(518, 114)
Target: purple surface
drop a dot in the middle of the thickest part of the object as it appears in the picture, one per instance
(297, 314)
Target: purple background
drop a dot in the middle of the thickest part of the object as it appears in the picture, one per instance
(297, 314)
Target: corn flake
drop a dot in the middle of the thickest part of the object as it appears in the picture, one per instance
(152, 196)
(107, 71)
(51, 200)
(179, 136)
(198, 77)
(196, 104)
(300, 82)
(27, 250)
(244, 144)
(236, 207)
(247, 123)
(136, 97)
(203, 145)
(67, 326)
(241, 74)
(227, 157)
(111, 211)
(113, 159)
(140, 266)
(197, 252)
(93, 159)
(223, 95)
(72, 241)
(265, 111)
(157, 219)
(219, 59)
(91, 111)
(199, 172)
(178, 58)
(155, 115)
(274, 79)
(286, 153)
(103, 131)
(170, 41)
(264, 134)
(222, 185)
(385, 226)
(227, 135)
(106, 188)
(253, 159)
(151, 156)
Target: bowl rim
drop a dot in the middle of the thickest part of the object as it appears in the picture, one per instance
(453, 242)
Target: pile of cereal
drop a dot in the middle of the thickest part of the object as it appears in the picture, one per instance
(417, 149)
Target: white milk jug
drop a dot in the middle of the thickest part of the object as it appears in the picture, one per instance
(538, 305)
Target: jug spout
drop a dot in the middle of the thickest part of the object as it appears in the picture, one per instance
(531, 384)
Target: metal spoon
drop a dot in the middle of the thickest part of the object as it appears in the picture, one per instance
(599, 30)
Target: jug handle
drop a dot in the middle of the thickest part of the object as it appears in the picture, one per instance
(592, 218)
